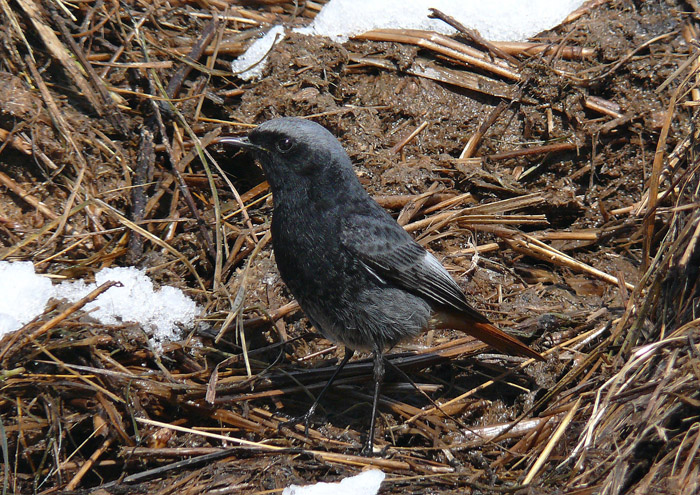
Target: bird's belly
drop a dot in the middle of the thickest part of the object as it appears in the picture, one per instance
(369, 320)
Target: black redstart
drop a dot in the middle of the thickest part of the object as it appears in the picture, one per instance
(358, 275)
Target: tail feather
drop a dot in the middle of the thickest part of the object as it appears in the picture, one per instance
(487, 333)
(500, 340)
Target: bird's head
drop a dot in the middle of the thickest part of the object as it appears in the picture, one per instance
(296, 153)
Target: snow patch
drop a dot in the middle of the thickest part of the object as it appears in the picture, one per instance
(506, 20)
(366, 483)
(24, 295)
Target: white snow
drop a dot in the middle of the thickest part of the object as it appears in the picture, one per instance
(505, 20)
(157, 311)
(24, 294)
(366, 483)
(250, 65)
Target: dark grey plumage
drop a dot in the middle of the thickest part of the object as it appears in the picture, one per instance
(360, 278)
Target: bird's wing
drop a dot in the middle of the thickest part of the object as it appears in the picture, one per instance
(390, 254)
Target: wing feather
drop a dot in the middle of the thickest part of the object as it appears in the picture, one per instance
(391, 254)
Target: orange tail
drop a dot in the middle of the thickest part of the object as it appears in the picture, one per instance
(500, 340)
(486, 333)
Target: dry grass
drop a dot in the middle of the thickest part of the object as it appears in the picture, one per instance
(104, 123)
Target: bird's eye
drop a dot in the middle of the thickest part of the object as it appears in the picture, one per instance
(285, 144)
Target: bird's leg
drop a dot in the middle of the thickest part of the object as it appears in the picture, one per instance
(378, 378)
(306, 418)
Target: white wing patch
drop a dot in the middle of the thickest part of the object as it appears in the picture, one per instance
(374, 274)
(435, 265)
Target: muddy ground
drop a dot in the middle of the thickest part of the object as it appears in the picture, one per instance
(568, 160)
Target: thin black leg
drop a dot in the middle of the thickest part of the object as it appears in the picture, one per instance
(378, 378)
(306, 418)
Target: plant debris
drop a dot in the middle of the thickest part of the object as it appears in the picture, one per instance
(557, 179)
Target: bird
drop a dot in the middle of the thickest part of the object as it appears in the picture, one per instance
(363, 282)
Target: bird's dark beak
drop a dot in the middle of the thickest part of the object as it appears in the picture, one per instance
(241, 142)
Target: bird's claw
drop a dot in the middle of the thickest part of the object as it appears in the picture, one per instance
(305, 418)
(368, 450)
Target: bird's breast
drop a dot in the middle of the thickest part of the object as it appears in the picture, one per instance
(307, 248)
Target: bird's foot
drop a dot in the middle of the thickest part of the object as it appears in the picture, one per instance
(305, 419)
(370, 450)
(367, 449)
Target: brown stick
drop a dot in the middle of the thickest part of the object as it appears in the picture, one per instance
(473, 35)
(54, 45)
(526, 48)
(399, 201)
(462, 79)
(400, 145)
(72, 485)
(413, 207)
(106, 106)
(476, 138)
(195, 53)
(445, 46)
(17, 142)
(534, 150)
(144, 171)
(19, 191)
